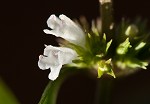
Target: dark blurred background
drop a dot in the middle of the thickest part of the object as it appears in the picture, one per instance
(22, 40)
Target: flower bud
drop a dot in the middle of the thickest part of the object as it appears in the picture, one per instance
(131, 30)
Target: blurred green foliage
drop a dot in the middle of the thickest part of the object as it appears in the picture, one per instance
(6, 96)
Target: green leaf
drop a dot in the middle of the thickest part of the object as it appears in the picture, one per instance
(123, 47)
(6, 96)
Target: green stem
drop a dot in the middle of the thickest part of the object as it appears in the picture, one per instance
(104, 91)
(106, 16)
(50, 93)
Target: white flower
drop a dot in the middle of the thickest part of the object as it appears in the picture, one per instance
(65, 28)
(54, 58)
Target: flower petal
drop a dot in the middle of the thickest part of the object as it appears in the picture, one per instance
(54, 58)
(66, 55)
(73, 33)
(47, 31)
(53, 22)
(42, 63)
(56, 32)
(67, 20)
(66, 29)
(54, 72)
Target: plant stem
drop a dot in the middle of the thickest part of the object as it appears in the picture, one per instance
(50, 93)
(106, 12)
(104, 91)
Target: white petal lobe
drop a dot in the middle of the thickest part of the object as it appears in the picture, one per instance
(65, 28)
(54, 58)
(54, 72)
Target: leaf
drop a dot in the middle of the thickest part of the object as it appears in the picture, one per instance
(6, 96)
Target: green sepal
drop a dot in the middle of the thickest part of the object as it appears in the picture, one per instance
(104, 38)
(123, 47)
(140, 46)
(135, 63)
(105, 67)
(132, 63)
(108, 45)
(100, 73)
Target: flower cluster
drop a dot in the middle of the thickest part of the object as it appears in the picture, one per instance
(89, 47)
(55, 57)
